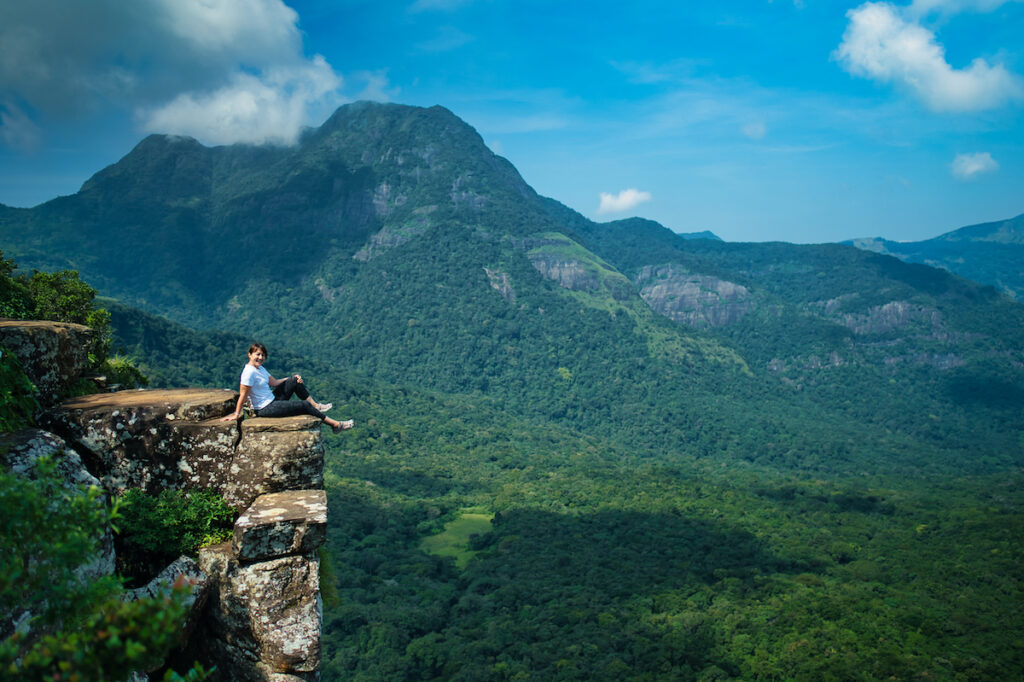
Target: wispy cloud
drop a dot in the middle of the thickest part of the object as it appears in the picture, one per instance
(448, 38)
(969, 166)
(376, 85)
(949, 7)
(881, 44)
(755, 130)
(623, 201)
(16, 129)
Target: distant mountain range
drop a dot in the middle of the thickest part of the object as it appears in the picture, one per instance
(393, 243)
(990, 253)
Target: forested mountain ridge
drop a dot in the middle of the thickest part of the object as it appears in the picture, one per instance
(686, 459)
(990, 253)
(391, 241)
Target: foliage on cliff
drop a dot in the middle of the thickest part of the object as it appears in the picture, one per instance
(157, 529)
(80, 627)
(64, 297)
(18, 401)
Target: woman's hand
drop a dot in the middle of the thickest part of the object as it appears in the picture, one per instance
(298, 378)
(230, 417)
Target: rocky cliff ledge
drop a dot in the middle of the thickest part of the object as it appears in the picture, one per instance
(257, 610)
(53, 354)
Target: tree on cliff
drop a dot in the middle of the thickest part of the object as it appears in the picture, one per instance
(64, 297)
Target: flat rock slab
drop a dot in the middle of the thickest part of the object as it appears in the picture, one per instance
(281, 524)
(171, 439)
(188, 404)
(53, 354)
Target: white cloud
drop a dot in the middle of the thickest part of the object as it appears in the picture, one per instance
(270, 108)
(967, 166)
(623, 201)
(880, 44)
(220, 70)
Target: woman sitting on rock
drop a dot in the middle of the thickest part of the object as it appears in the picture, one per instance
(271, 397)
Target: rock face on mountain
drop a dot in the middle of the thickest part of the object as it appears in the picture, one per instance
(696, 300)
(256, 608)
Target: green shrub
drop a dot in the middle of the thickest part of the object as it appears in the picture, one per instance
(156, 529)
(17, 394)
(81, 629)
(121, 370)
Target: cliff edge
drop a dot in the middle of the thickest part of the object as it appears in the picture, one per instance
(256, 611)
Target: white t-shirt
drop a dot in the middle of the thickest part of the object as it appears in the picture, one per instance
(259, 380)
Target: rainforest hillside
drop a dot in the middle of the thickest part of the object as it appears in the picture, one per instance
(584, 450)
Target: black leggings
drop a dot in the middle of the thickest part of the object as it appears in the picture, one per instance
(284, 407)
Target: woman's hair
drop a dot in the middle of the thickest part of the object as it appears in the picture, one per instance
(258, 346)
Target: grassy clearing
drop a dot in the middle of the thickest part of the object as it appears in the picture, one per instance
(453, 541)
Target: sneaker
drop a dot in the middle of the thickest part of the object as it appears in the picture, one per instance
(323, 407)
(343, 426)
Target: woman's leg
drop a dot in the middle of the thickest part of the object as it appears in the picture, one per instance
(292, 386)
(288, 408)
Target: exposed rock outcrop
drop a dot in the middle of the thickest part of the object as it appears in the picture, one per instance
(169, 439)
(280, 524)
(256, 611)
(502, 283)
(53, 354)
(559, 258)
(696, 300)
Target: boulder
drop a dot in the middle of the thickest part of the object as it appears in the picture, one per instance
(20, 452)
(281, 524)
(53, 354)
(263, 619)
(182, 568)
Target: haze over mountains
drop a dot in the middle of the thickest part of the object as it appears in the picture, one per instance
(700, 460)
(990, 253)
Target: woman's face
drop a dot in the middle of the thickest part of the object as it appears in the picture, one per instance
(256, 358)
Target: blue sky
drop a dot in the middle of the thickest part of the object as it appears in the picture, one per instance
(800, 121)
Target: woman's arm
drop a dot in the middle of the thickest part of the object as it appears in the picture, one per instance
(274, 383)
(243, 395)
